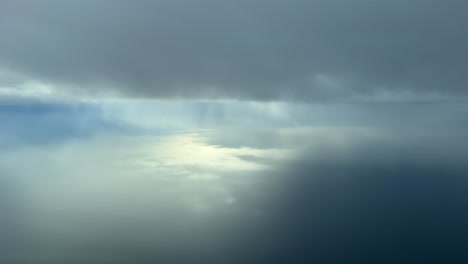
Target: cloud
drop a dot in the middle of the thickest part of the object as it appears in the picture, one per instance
(122, 199)
(315, 50)
(276, 195)
(391, 198)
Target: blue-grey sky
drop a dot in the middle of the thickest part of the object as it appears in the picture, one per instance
(177, 131)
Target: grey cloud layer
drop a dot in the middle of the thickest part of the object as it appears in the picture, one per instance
(261, 50)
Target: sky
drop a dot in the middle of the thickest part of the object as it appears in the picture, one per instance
(318, 131)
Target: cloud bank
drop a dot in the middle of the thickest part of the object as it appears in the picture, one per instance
(255, 50)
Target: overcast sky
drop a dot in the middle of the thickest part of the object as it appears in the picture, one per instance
(248, 131)
(308, 50)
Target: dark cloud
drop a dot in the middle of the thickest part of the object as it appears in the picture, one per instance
(389, 200)
(303, 50)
